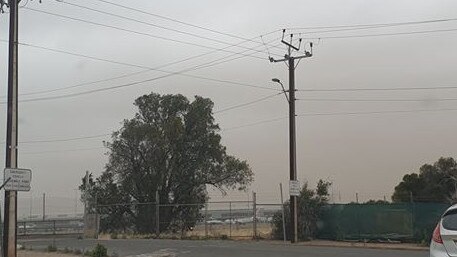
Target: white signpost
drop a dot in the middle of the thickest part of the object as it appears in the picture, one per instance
(18, 179)
(294, 187)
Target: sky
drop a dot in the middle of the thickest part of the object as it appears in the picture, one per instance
(364, 146)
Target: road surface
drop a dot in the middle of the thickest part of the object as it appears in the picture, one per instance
(178, 248)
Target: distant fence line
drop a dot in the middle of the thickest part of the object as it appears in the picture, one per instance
(249, 219)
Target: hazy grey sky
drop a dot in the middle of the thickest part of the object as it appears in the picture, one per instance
(367, 154)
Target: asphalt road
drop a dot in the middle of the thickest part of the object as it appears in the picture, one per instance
(177, 248)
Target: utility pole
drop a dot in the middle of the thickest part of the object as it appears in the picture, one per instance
(290, 61)
(9, 225)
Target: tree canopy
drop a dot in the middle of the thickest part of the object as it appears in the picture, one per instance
(171, 146)
(433, 183)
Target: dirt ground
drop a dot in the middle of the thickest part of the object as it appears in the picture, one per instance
(236, 231)
(41, 254)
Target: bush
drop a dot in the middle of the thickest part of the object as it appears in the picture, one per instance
(99, 251)
(114, 235)
(310, 204)
(51, 248)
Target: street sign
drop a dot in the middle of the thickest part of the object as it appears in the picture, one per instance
(294, 187)
(19, 179)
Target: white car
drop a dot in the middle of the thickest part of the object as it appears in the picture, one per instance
(444, 238)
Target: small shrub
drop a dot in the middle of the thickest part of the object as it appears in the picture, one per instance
(66, 250)
(77, 252)
(51, 248)
(99, 251)
(114, 235)
(224, 237)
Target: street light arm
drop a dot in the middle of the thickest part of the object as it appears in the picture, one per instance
(283, 89)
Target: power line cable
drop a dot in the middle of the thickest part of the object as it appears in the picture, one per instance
(108, 134)
(375, 100)
(157, 26)
(384, 34)
(377, 112)
(180, 22)
(273, 120)
(254, 124)
(377, 89)
(63, 151)
(348, 29)
(61, 139)
(340, 114)
(116, 62)
(375, 24)
(169, 73)
(247, 103)
(134, 31)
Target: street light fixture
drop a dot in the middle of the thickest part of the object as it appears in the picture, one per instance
(282, 86)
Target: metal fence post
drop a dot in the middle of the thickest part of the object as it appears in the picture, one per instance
(157, 214)
(206, 219)
(54, 234)
(254, 209)
(283, 215)
(413, 215)
(231, 219)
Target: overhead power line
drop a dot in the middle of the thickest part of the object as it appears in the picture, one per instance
(135, 32)
(255, 123)
(246, 104)
(148, 69)
(157, 26)
(383, 34)
(340, 114)
(64, 139)
(182, 22)
(168, 74)
(376, 89)
(63, 151)
(268, 121)
(375, 100)
(376, 112)
(39, 141)
(375, 24)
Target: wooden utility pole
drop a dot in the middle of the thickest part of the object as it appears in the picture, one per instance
(10, 223)
(290, 61)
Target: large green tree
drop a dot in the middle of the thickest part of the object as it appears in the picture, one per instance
(433, 183)
(173, 146)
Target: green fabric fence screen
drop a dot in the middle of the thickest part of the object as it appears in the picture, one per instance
(405, 222)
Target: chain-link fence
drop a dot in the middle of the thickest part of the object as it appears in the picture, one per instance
(228, 219)
(406, 222)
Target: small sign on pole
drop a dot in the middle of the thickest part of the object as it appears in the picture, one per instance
(18, 179)
(294, 187)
